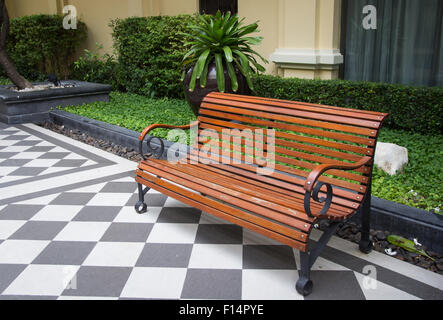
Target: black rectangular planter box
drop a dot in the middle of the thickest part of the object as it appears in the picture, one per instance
(33, 106)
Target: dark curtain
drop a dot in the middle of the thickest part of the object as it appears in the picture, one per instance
(406, 47)
(212, 6)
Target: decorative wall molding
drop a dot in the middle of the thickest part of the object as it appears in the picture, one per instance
(326, 59)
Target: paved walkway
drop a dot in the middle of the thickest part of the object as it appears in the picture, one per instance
(68, 230)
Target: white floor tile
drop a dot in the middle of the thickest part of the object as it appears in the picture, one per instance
(7, 170)
(85, 298)
(88, 163)
(114, 254)
(125, 179)
(40, 200)
(57, 213)
(10, 178)
(216, 256)
(42, 163)
(89, 189)
(12, 148)
(128, 215)
(83, 231)
(171, 202)
(45, 280)
(173, 233)
(110, 199)
(155, 283)
(270, 285)
(27, 155)
(45, 144)
(323, 264)
(8, 227)
(21, 251)
(53, 170)
(74, 156)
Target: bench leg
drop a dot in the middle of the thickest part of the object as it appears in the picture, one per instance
(304, 284)
(366, 245)
(141, 206)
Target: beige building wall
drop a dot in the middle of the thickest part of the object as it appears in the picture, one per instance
(266, 13)
(97, 15)
(18, 8)
(301, 37)
(309, 34)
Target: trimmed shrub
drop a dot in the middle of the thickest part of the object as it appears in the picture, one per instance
(418, 109)
(39, 45)
(95, 68)
(150, 51)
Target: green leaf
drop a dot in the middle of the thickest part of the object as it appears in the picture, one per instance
(232, 76)
(253, 40)
(220, 72)
(245, 74)
(201, 63)
(228, 53)
(204, 75)
(407, 245)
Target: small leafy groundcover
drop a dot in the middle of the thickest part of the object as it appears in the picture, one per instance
(419, 185)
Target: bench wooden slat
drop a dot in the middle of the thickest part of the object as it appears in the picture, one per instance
(341, 197)
(226, 112)
(205, 117)
(286, 144)
(337, 182)
(266, 209)
(285, 109)
(357, 113)
(220, 125)
(239, 217)
(285, 203)
(339, 205)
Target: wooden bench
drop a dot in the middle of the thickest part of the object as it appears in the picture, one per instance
(322, 169)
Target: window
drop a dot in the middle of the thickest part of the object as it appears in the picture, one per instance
(405, 47)
(212, 6)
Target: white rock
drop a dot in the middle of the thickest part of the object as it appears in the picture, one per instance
(390, 157)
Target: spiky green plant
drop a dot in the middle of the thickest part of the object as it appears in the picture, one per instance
(222, 38)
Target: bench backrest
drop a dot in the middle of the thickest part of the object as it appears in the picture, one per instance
(305, 135)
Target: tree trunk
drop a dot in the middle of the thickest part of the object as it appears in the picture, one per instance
(5, 61)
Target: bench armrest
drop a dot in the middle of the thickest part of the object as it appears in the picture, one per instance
(158, 151)
(166, 126)
(312, 185)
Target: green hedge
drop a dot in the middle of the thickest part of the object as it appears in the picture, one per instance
(417, 109)
(95, 68)
(39, 45)
(150, 51)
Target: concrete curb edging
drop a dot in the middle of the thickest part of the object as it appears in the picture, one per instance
(399, 219)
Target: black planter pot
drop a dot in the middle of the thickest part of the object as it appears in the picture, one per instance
(195, 97)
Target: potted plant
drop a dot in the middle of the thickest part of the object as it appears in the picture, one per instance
(220, 57)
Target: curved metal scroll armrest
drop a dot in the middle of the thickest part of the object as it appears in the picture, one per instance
(157, 152)
(313, 186)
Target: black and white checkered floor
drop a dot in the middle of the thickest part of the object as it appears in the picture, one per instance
(68, 230)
